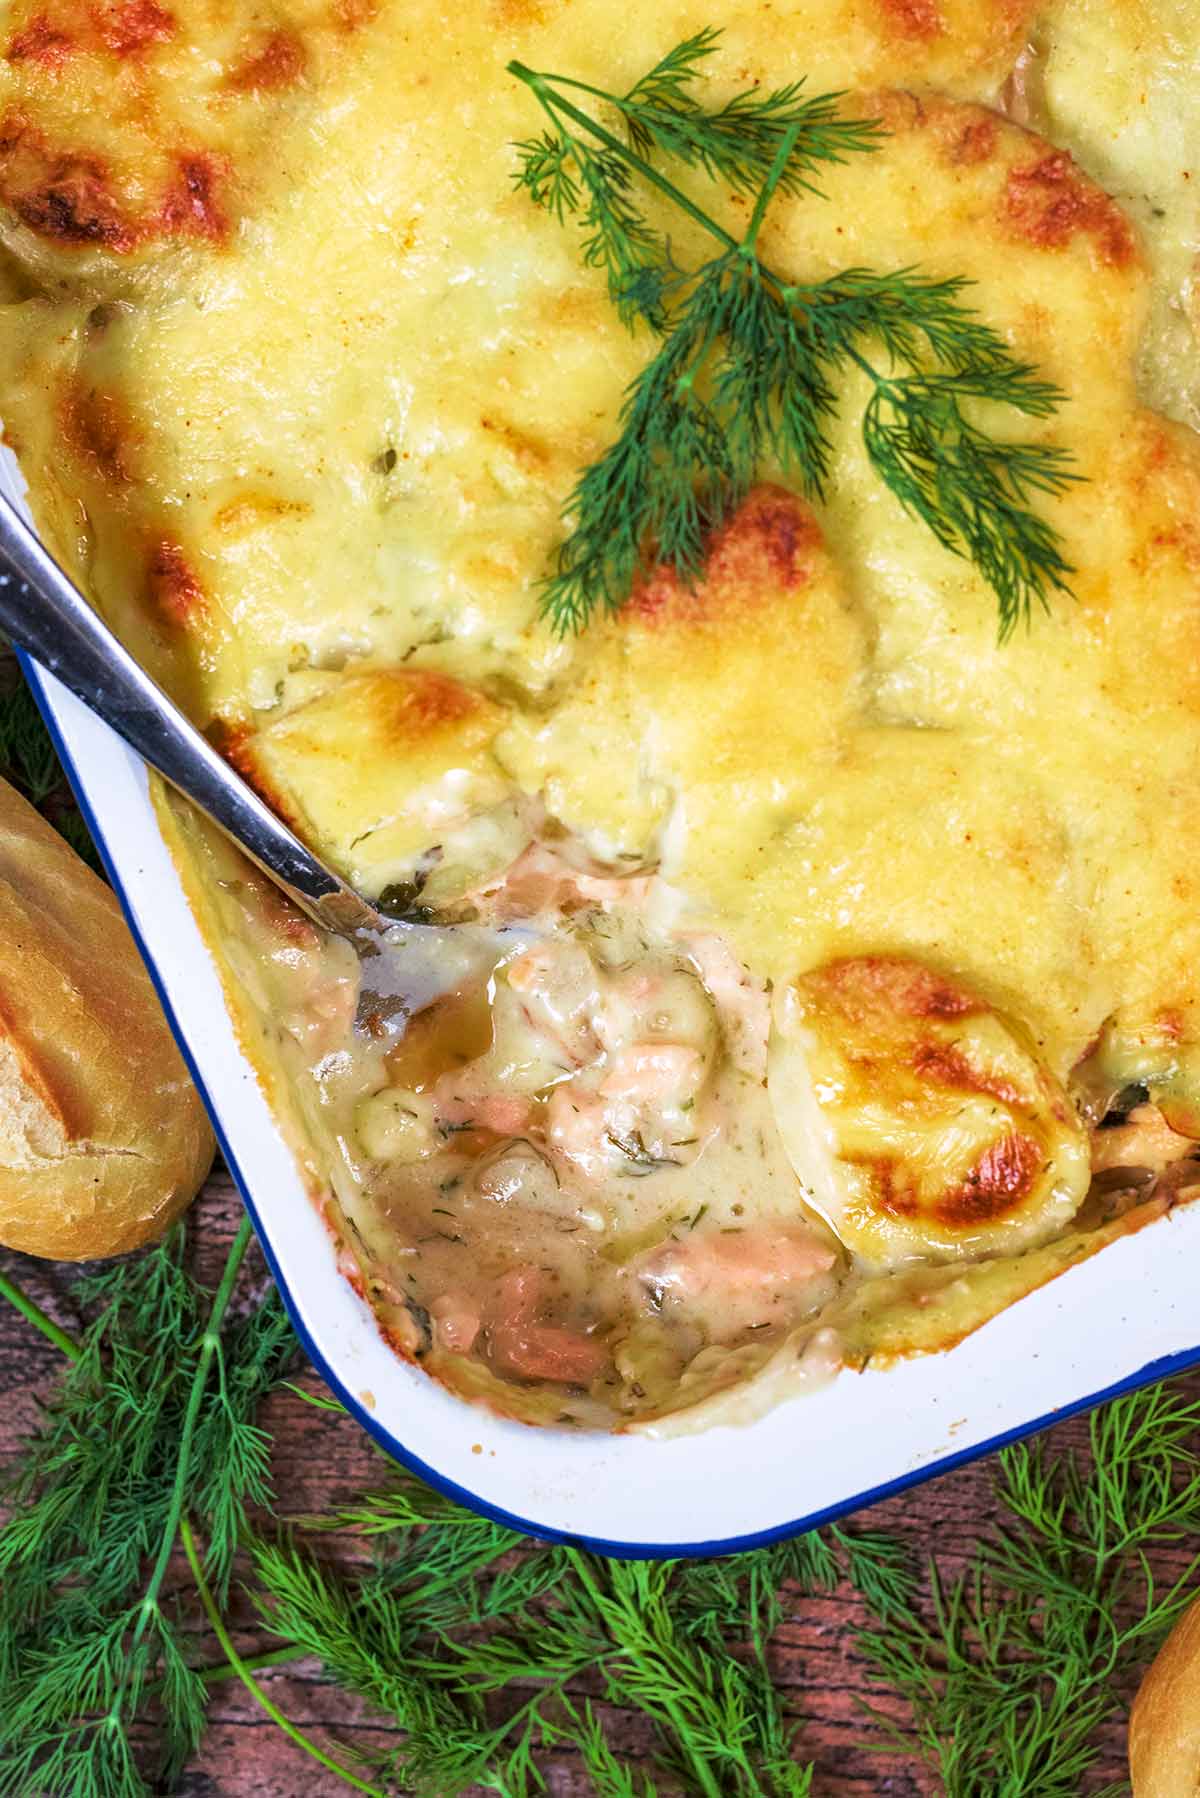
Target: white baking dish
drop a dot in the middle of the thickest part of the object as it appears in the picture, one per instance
(1127, 1316)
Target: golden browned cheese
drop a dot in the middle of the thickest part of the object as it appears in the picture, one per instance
(346, 423)
(716, 705)
(920, 1121)
(375, 765)
(306, 424)
(126, 123)
(1119, 84)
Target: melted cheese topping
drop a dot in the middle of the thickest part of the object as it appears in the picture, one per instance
(331, 764)
(919, 1121)
(346, 424)
(301, 385)
(1120, 85)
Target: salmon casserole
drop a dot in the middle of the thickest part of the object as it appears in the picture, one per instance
(700, 517)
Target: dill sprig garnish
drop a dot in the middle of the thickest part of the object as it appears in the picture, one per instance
(747, 368)
(738, 142)
(1026, 1656)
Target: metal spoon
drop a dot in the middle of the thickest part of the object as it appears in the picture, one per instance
(43, 612)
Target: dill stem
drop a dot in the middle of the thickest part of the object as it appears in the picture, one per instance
(208, 1348)
(33, 1313)
(247, 1678)
(766, 194)
(881, 381)
(552, 102)
(707, 1784)
(252, 1663)
(320, 1401)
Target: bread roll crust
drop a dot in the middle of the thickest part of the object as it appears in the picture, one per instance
(1164, 1728)
(103, 1139)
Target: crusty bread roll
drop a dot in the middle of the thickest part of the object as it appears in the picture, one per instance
(103, 1139)
(1164, 1730)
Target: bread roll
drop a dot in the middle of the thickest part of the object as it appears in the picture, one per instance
(103, 1139)
(1164, 1730)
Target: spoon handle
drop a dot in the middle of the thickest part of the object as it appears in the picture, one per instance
(43, 612)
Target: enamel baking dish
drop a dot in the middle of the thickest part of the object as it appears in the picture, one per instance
(1125, 1317)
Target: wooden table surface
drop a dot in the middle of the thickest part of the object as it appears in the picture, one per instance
(321, 1460)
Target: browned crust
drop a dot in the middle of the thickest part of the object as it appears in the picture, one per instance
(41, 41)
(236, 743)
(33, 1077)
(916, 21)
(93, 1050)
(277, 62)
(352, 15)
(195, 201)
(174, 588)
(63, 195)
(126, 30)
(999, 1182)
(70, 198)
(770, 544)
(942, 1064)
(1049, 201)
(99, 431)
(1046, 200)
(969, 138)
(863, 986)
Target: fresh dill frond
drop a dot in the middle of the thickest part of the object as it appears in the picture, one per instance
(367, 1640)
(489, 1650)
(879, 1567)
(405, 1502)
(66, 1711)
(669, 81)
(232, 1451)
(591, 181)
(456, 1612)
(664, 479)
(969, 489)
(243, 1671)
(29, 761)
(748, 371)
(908, 314)
(719, 1718)
(571, 179)
(304, 1603)
(87, 1634)
(26, 753)
(1019, 1662)
(610, 1778)
(738, 141)
(459, 1615)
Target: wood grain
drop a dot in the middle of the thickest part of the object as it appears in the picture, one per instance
(322, 1460)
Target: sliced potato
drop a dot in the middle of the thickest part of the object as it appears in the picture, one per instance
(919, 1120)
(380, 769)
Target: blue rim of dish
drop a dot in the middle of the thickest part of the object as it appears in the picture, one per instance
(391, 1445)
